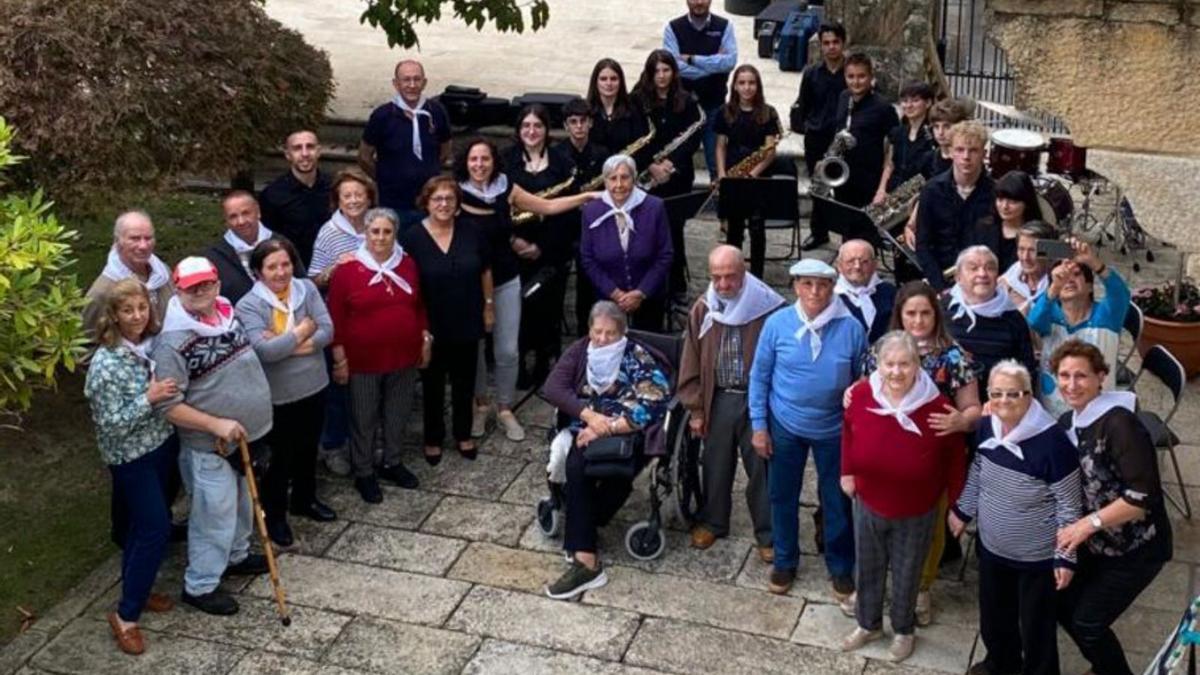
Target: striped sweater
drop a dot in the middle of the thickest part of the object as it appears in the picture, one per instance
(1021, 503)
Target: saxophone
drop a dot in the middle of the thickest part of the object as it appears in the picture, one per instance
(833, 171)
(742, 168)
(525, 217)
(898, 203)
(644, 179)
(596, 182)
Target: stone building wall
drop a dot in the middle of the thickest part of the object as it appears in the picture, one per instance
(896, 34)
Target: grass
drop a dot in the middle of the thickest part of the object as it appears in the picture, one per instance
(54, 490)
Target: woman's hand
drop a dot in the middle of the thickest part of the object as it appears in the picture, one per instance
(761, 441)
(950, 422)
(880, 197)
(304, 329)
(1085, 254)
(631, 300)
(341, 370)
(661, 171)
(1074, 535)
(1058, 278)
(1062, 577)
(160, 390)
(848, 486)
(426, 349)
(304, 348)
(847, 397)
(956, 525)
(584, 437)
(489, 317)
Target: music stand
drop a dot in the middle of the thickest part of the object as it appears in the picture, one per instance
(680, 209)
(764, 199)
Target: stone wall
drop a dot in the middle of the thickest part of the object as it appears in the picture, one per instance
(896, 34)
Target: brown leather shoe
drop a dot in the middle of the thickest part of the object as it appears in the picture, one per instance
(129, 640)
(766, 553)
(159, 603)
(702, 538)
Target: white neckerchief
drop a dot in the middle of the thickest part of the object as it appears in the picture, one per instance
(999, 304)
(116, 269)
(922, 392)
(178, 318)
(242, 248)
(1035, 421)
(416, 112)
(1013, 277)
(635, 199)
(1098, 407)
(604, 364)
(343, 224)
(860, 296)
(141, 350)
(296, 293)
(490, 192)
(835, 310)
(752, 301)
(364, 256)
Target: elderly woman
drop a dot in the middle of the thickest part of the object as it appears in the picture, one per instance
(609, 385)
(1027, 279)
(381, 339)
(1023, 485)
(138, 446)
(896, 468)
(286, 321)
(1125, 538)
(488, 198)
(1069, 310)
(625, 248)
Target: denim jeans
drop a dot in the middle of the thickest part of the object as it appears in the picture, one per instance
(785, 477)
(710, 142)
(140, 487)
(507, 301)
(219, 523)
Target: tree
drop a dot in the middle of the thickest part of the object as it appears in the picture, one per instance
(40, 301)
(398, 18)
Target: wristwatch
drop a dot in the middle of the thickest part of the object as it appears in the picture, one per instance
(1095, 521)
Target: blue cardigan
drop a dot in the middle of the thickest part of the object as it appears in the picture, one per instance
(644, 267)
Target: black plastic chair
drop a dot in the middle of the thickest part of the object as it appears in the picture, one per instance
(1134, 322)
(1163, 365)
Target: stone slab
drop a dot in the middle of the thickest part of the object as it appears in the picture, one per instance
(812, 582)
(393, 647)
(529, 487)
(266, 663)
(535, 447)
(404, 509)
(397, 549)
(1171, 589)
(359, 589)
(24, 645)
(720, 605)
(95, 585)
(485, 477)
(313, 538)
(511, 568)
(566, 626)
(86, 646)
(506, 658)
(720, 562)
(479, 520)
(688, 648)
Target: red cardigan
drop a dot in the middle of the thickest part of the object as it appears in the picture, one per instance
(380, 331)
(897, 473)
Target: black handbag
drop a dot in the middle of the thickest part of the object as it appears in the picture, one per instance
(612, 456)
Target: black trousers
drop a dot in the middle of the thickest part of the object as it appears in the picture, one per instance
(591, 503)
(649, 316)
(815, 145)
(456, 361)
(1103, 588)
(758, 241)
(295, 435)
(1016, 617)
(585, 297)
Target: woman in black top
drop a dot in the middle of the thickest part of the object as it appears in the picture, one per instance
(1016, 205)
(616, 122)
(1125, 538)
(744, 125)
(909, 145)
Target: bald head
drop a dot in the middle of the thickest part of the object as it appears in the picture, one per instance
(856, 262)
(409, 80)
(727, 269)
(133, 235)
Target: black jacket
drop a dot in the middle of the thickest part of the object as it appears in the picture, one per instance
(235, 280)
(946, 222)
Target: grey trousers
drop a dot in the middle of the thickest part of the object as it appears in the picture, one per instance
(375, 397)
(728, 434)
(898, 544)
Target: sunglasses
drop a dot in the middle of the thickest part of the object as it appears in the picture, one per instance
(999, 394)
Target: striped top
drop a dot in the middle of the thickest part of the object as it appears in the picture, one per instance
(1021, 503)
(330, 245)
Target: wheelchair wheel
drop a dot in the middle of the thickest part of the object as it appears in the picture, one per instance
(686, 477)
(549, 519)
(645, 541)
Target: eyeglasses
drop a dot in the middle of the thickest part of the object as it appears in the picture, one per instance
(442, 199)
(1001, 394)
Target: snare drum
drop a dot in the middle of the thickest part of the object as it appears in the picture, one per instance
(1066, 158)
(1055, 200)
(1015, 149)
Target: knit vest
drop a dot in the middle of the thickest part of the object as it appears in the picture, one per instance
(711, 89)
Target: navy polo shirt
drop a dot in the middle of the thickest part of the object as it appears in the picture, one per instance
(398, 173)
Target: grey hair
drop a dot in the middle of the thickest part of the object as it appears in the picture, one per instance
(611, 164)
(898, 339)
(969, 251)
(864, 242)
(609, 310)
(386, 214)
(123, 219)
(1014, 369)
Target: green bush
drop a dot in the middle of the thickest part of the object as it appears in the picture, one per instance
(40, 301)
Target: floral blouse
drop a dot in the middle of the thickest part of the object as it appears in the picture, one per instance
(126, 425)
(640, 394)
(950, 368)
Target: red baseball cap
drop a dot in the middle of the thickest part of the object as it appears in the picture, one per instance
(193, 270)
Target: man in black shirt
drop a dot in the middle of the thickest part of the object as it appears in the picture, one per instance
(296, 204)
(815, 112)
(953, 202)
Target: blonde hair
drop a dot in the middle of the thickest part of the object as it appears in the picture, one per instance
(970, 129)
(108, 328)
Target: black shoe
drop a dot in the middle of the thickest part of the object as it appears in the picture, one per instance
(368, 488)
(952, 553)
(255, 563)
(315, 510)
(780, 580)
(433, 460)
(843, 586)
(400, 476)
(812, 242)
(469, 454)
(280, 532)
(217, 602)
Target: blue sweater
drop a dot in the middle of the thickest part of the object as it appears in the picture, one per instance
(804, 395)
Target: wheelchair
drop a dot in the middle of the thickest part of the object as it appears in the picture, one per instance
(675, 476)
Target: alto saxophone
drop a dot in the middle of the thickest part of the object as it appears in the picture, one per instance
(833, 171)
(644, 179)
(524, 217)
(629, 150)
(742, 168)
(898, 203)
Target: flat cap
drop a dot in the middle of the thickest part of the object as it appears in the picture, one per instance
(811, 267)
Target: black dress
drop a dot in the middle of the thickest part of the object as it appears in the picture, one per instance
(910, 157)
(745, 135)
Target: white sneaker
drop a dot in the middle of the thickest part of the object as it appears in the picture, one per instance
(924, 609)
(513, 430)
(848, 605)
(902, 647)
(479, 420)
(859, 637)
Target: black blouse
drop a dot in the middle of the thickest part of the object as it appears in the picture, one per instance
(541, 231)
(497, 227)
(872, 119)
(745, 134)
(909, 157)
(451, 281)
(617, 133)
(669, 125)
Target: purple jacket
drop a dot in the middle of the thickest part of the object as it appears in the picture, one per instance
(644, 267)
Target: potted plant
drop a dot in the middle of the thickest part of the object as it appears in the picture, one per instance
(1172, 313)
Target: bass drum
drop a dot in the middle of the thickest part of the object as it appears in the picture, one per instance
(1015, 149)
(1056, 203)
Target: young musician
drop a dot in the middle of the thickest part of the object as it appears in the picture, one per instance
(616, 122)
(745, 125)
(909, 145)
(815, 112)
(942, 116)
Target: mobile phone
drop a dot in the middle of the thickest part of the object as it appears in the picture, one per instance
(1054, 249)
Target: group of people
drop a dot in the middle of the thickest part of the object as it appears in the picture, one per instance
(304, 329)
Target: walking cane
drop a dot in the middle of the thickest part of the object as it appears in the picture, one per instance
(260, 520)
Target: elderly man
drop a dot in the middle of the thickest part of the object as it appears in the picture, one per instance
(405, 143)
(296, 204)
(131, 255)
(952, 203)
(982, 318)
(714, 376)
(865, 295)
(806, 357)
(231, 255)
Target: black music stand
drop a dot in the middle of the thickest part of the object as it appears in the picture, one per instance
(680, 209)
(767, 199)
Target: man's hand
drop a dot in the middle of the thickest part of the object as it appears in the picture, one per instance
(848, 486)
(696, 426)
(761, 441)
(957, 526)
(227, 430)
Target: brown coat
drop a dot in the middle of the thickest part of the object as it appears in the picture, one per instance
(698, 365)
